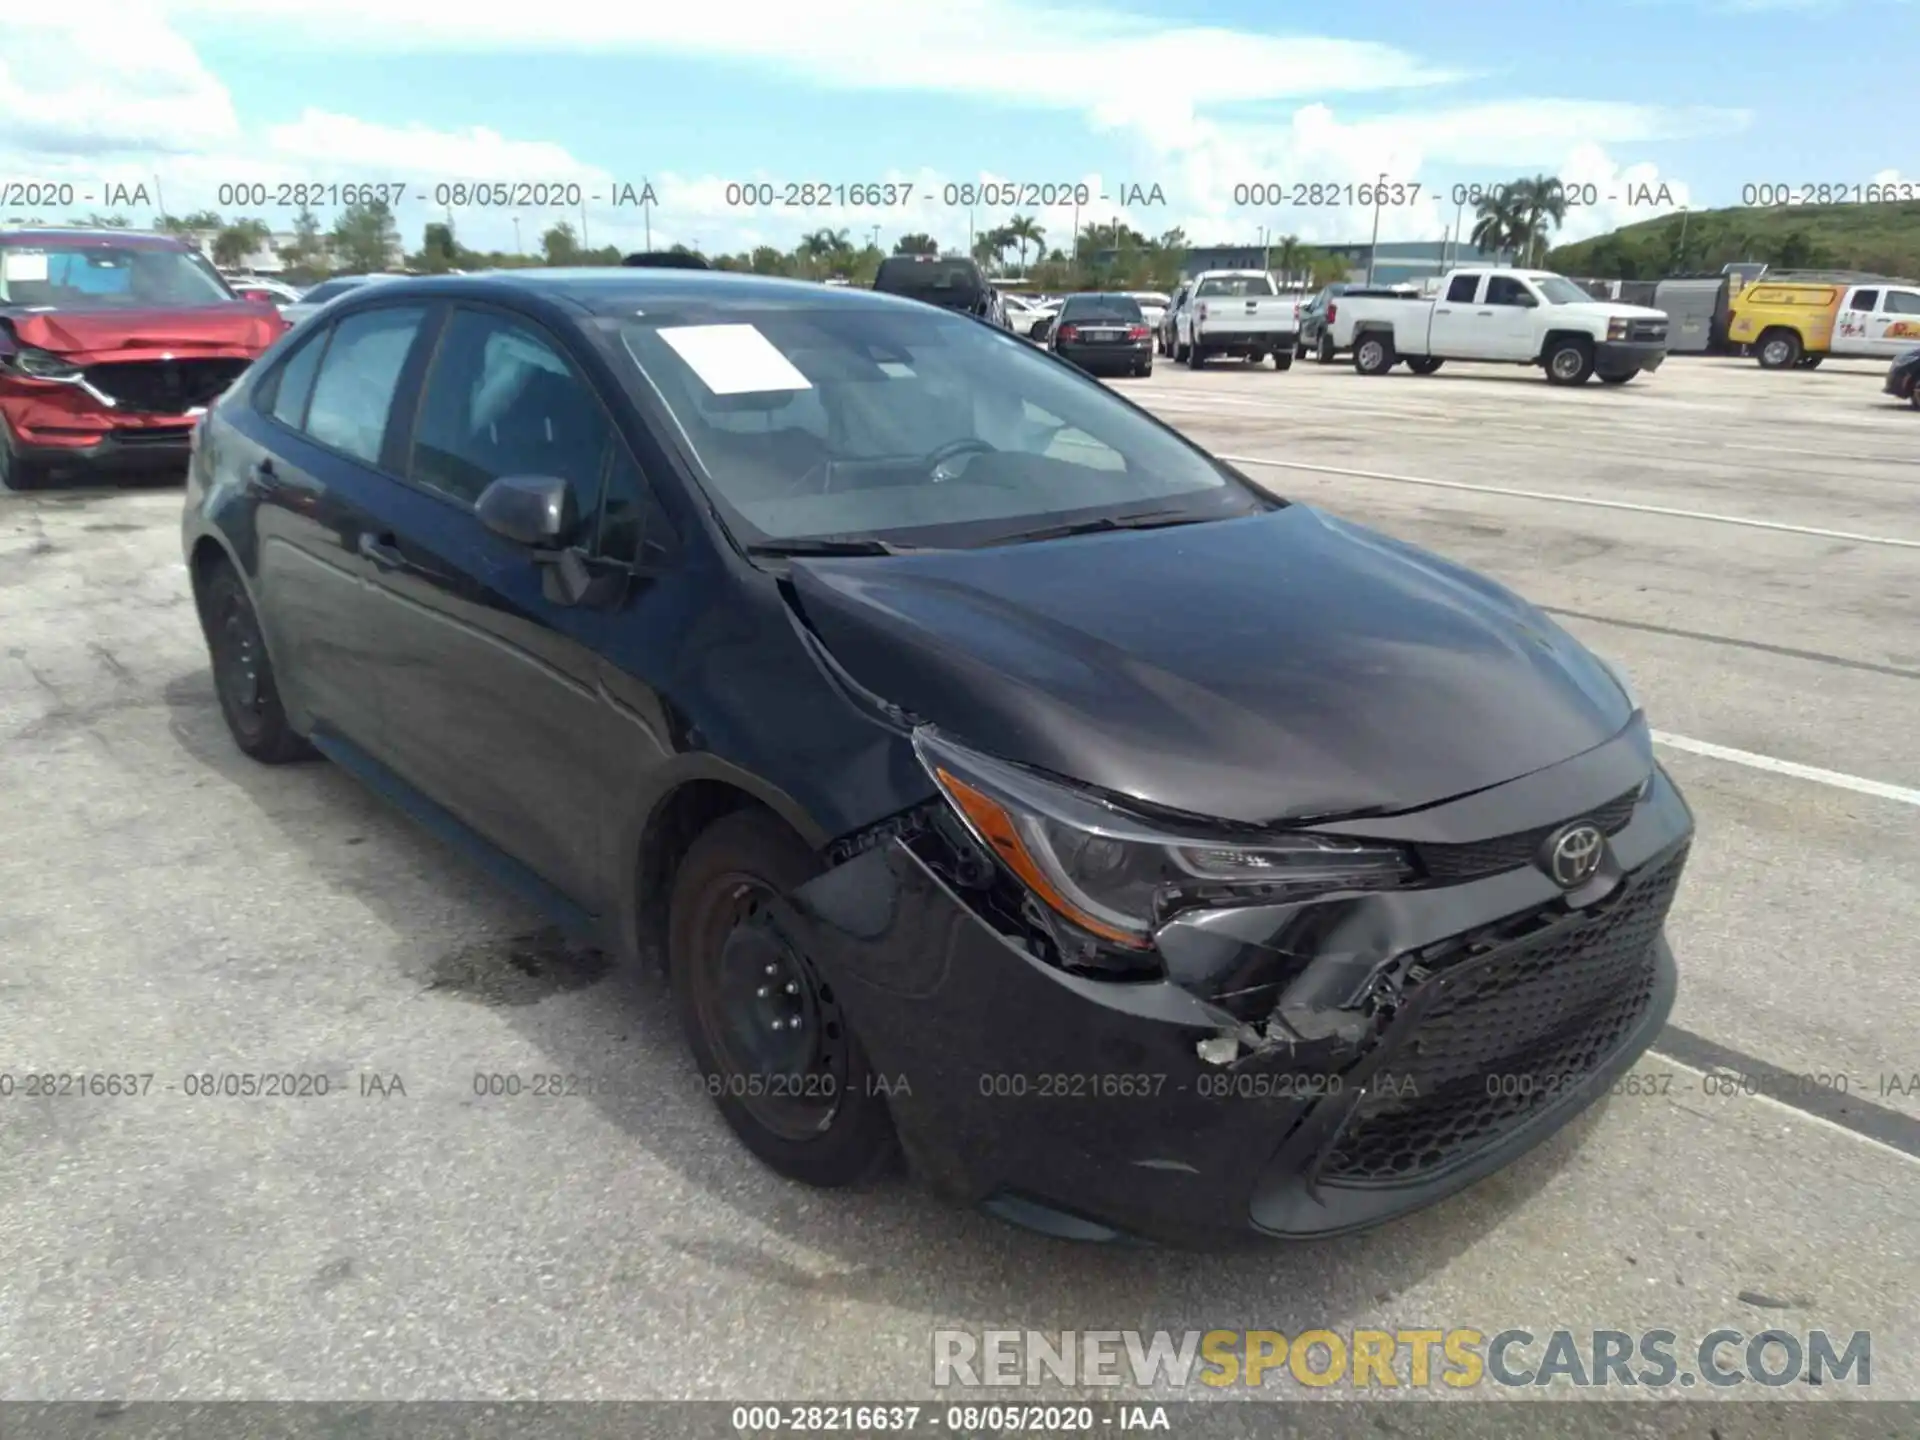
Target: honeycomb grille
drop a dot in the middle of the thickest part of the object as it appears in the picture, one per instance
(1510, 852)
(1509, 1035)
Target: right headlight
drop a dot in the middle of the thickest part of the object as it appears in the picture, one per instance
(1114, 874)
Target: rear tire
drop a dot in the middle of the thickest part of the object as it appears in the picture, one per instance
(1373, 355)
(1811, 362)
(1778, 350)
(833, 1133)
(1424, 364)
(1570, 362)
(1194, 357)
(1283, 360)
(1326, 354)
(243, 678)
(1142, 371)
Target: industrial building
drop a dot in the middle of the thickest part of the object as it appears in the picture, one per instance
(1399, 262)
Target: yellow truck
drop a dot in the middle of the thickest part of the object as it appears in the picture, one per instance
(1788, 323)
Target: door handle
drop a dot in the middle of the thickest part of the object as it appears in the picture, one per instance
(262, 474)
(1484, 312)
(1442, 310)
(381, 550)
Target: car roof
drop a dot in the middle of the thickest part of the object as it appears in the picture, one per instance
(621, 291)
(106, 235)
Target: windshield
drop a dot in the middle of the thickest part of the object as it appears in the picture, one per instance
(1559, 290)
(1150, 297)
(1121, 308)
(1235, 285)
(944, 282)
(70, 274)
(326, 290)
(856, 421)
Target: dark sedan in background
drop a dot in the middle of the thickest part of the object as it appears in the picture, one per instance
(1001, 779)
(1903, 378)
(1103, 335)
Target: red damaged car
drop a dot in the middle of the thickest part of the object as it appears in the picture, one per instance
(112, 345)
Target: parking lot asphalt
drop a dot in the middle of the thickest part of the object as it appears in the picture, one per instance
(168, 908)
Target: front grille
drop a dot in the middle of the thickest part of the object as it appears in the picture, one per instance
(164, 387)
(155, 436)
(1647, 330)
(1508, 1035)
(1510, 852)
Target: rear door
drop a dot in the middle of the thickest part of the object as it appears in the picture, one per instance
(312, 472)
(1859, 322)
(1457, 322)
(492, 688)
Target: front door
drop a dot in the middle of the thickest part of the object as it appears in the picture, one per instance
(1896, 324)
(1855, 327)
(491, 690)
(1506, 316)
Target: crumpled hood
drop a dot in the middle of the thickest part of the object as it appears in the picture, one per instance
(1284, 666)
(91, 335)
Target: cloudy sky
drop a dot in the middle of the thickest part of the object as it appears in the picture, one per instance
(1201, 100)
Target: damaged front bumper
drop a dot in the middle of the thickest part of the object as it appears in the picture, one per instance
(1301, 1069)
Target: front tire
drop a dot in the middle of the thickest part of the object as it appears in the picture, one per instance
(1424, 364)
(1570, 362)
(1778, 350)
(737, 981)
(243, 677)
(17, 474)
(1618, 379)
(1373, 355)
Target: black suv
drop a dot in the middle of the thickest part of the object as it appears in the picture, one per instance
(952, 282)
(996, 774)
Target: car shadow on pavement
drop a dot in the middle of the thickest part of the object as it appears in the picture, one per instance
(891, 1243)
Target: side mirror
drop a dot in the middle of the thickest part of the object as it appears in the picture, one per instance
(535, 510)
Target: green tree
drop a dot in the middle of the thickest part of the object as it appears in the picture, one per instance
(97, 221)
(364, 237)
(560, 246)
(1539, 208)
(1288, 256)
(1024, 230)
(237, 241)
(307, 253)
(766, 260)
(439, 251)
(916, 244)
(1496, 223)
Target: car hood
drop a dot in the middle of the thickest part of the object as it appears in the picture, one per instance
(1287, 666)
(240, 329)
(1610, 310)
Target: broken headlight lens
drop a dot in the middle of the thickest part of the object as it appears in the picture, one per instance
(1115, 874)
(41, 365)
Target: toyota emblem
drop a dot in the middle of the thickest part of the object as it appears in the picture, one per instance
(1573, 854)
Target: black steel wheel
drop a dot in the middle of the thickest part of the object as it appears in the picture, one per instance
(775, 1049)
(15, 473)
(243, 673)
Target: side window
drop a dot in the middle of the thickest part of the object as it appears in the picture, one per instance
(1864, 300)
(627, 511)
(500, 400)
(1505, 290)
(1460, 292)
(353, 394)
(293, 382)
(1903, 302)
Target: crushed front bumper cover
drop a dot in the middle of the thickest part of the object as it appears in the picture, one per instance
(1386, 1049)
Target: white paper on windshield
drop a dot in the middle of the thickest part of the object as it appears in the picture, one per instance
(734, 359)
(24, 264)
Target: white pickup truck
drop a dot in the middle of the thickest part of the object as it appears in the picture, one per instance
(1516, 317)
(1234, 312)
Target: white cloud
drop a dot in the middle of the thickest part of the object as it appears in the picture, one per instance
(90, 83)
(140, 101)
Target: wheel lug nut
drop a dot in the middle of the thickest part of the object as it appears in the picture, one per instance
(779, 1024)
(773, 969)
(764, 991)
(794, 1024)
(793, 987)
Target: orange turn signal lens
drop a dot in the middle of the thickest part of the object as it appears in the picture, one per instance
(992, 822)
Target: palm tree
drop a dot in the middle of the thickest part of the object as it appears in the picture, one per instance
(1288, 253)
(1023, 231)
(1540, 206)
(1496, 222)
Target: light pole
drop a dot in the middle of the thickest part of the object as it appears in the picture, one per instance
(583, 223)
(1373, 246)
(516, 236)
(646, 206)
(1263, 248)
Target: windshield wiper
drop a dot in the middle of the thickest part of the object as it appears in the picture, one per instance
(830, 545)
(1138, 520)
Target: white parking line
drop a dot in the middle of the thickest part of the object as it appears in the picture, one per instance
(1834, 778)
(1578, 500)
